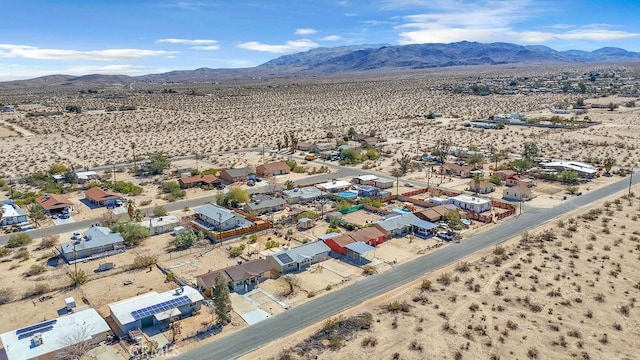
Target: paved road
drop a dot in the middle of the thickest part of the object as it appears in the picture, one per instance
(299, 317)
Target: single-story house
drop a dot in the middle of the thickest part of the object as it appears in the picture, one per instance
(299, 258)
(86, 176)
(306, 146)
(305, 223)
(242, 277)
(338, 242)
(584, 170)
(263, 204)
(369, 235)
(160, 225)
(504, 174)
(517, 193)
(96, 241)
(54, 203)
(219, 218)
(367, 191)
(357, 249)
(51, 339)
(199, 180)
(102, 196)
(333, 215)
(364, 180)
(481, 187)
(273, 169)
(370, 141)
(471, 203)
(398, 225)
(11, 213)
(382, 183)
(334, 186)
(236, 175)
(436, 213)
(302, 195)
(463, 171)
(154, 308)
(516, 180)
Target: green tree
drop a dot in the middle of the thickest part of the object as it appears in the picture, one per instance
(158, 162)
(159, 211)
(475, 159)
(568, 177)
(19, 240)
(222, 300)
(495, 180)
(608, 163)
(350, 156)
(441, 150)
(36, 213)
(132, 233)
(521, 165)
(579, 103)
(582, 87)
(57, 169)
(351, 133)
(73, 108)
(70, 177)
(233, 197)
(187, 239)
(289, 184)
(530, 150)
(371, 154)
(343, 205)
(404, 162)
(612, 106)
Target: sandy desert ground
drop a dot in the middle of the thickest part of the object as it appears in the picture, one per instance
(229, 117)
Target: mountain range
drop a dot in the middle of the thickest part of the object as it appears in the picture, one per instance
(355, 59)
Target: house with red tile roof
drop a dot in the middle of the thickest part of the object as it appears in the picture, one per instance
(102, 196)
(54, 203)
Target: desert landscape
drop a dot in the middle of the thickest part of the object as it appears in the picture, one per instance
(564, 290)
(189, 120)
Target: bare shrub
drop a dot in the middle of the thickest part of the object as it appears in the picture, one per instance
(6, 295)
(444, 279)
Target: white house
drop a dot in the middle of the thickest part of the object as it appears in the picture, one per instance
(219, 218)
(49, 339)
(471, 203)
(160, 225)
(155, 308)
(12, 214)
(584, 170)
(334, 186)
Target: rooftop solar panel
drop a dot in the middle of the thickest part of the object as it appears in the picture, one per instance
(33, 332)
(285, 258)
(36, 326)
(158, 308)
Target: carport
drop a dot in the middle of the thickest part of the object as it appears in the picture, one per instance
(357, 249)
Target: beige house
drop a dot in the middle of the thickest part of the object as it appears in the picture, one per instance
(481, 187)
(517, 193)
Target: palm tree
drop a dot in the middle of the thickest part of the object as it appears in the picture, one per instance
(131, 208)
(397, 173)
(477, 178)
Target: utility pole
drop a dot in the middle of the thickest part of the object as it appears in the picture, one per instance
(114, 173)
(263, 153)
(75, 264)
(630, 183)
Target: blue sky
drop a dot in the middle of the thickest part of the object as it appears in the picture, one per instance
(133, 37)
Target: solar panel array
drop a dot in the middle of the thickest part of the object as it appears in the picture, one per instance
(36, 326)
(285, 258)
(33, 332)
(158, 308)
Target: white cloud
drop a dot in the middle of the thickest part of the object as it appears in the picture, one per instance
(187, 41)
(331, 38)
(488, 21)
(32, 52)
(289, 46)
(305, 31)
(206, 47)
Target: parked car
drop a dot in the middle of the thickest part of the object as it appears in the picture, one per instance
(409, 185)
(445, 235)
